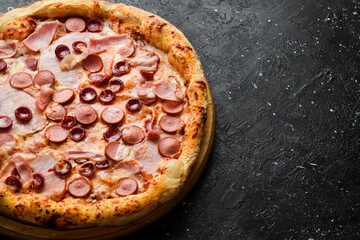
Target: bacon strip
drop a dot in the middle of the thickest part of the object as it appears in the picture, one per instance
(42, 36)
(101, 44)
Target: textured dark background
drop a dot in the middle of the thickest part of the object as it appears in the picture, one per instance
(284, 75)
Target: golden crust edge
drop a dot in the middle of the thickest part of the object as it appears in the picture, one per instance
(163, 35)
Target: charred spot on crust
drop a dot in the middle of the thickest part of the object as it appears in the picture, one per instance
(201, 83)
(181, 47)
(157, 25)
(136, 33)
(50, 222)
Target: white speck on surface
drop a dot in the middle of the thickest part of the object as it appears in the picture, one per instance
(10, 8)
(332, 110)
(255, 86)
(269, 103)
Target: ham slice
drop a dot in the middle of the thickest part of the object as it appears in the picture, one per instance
(8, 49)
(42, 36)
(24, 170)
(146, 61)
(102, 44)
(11, 99)
(165, 91)
(44, 97)
(54, 186)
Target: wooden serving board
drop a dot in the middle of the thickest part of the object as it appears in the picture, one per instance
(18, 230)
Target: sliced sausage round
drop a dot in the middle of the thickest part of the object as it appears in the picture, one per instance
(107, 96)
(169, 124)
(79, 187)
(56, 134)
(44, 77)
(5, 122)
(88, 94)
(93, 63)
(6, 138)
(13, 181)
(62, 51)
(85, 115)
(98, 79)
(3, 65)
(77, 134)
(112, 151)
(55, 113)
(23, 114)
(75, 24)
(38, 181)
(169, 146)
(31, 63)
(93, 25)
(64, 96)
(112, 115)
(21, 80)
(172, 107)
(87, 169)
(112, 134)
(68, 122)
(127, 186)
(77, 45)
(116, 85)
(132, 134)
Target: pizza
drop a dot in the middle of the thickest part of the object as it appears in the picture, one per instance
(102, 110)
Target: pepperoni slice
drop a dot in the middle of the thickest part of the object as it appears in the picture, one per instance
(13, 181)
(112, 134)
(5, 122)
(21, 80)
(148, 75)
(112, 115)
(81, 160)
(75, 24)
(5, 138)
(103, 164)
(169, 124)
(99, 79)
(23, 114)
(127, 186)
(85, 115)
(3, 65)
(112, 151)
(62, 51)
(44, 77)
(107, 96)
(77, 134)
(93, 25)
(149, 101)
(169, 146)
(79, 187)
(116, 85)
(38, 181)
(31, 63)
(64, 96)
(132, 134)
(62, 167)
(93, 63)
(126, 51)
(76, 46)
(68, 122)
(172, 107)
(87, 169)
(133, 105)
(121, 68)
(56, 113)
(56, 134)
(88, 94)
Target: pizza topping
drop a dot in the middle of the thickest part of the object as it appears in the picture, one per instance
(81, 160)
(112, 115)
(62, 167)
(112, 134)
(133, 105)
(93, 63)
(107, 96)
(15, 173)
(148, 75)
(13, 181)
(42, 36)
(22, 168)
(127, 186)
(99, 79)
(56, 113)
(169, 124)
(64, 97)
(62, 51)
(85, 115)
(77, 46)
(80, 154)
(79, 187)
(172, 107)
(164, 90)
(77, 134)
(87, 169)
(103, 164)
(121, 68)
(5, 122)
(169, 146)
(88, 94)
(125, 51)
(93, 25)
(113, 151)
(116, 85)
(23, 114)
(75, 24)
(44, 97)
(21, 80)
(8, 49)
(5, 138)
(68, 122)
(31, 63)
(3, 65)
(101, 44)
(71, 60)
(132, 134)
(146, 61)
(38, 181)
(56, 134)
(44, 77)
(149, 101)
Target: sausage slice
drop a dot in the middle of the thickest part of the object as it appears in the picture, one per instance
(56, 134)
(44, 77)
(64, 96)
(127, 186)
(75, 24)
(21, 80)
(5, 138)
(172, 107)
(86, 115)
(79, 187)
(169, 146)
(56, 113)
(132, 134)
(112, 115)
(169, 124)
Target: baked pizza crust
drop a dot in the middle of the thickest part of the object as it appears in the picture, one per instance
(78, 213)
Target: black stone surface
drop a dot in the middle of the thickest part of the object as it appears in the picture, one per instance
(285, 79)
